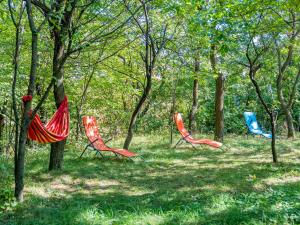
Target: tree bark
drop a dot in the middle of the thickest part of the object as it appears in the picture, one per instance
(172, 110)
(192, 120)
(20, 151)
(286, 104)
(219, 97)
(57, 148)
(82, 101)
(273, 131)
(2, 124)
(39, 92)
(18, 186)
(219, 109)
(252, 71)
(136, 112)
(290, 124)
(286, 107)
(152, 48)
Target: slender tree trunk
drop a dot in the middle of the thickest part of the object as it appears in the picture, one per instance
(285, 108)
(252, 72)
(78, 121)
(152, 48)
(82, 101)
(290, 125)
(42, 114)
(219, 97)
(273, 131)
(192, 120)
(136, 112)
(57, 148)
(2, 126)
(146, 108)
(172, 111)
(20, 150)
(20, 162)
(18, 193)
(219, 109)
(285, 104)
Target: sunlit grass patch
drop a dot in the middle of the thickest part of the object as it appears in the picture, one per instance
(239, 185)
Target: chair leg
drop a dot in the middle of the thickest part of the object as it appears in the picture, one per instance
(179, 142)
(193, 145)
(98, 152)
(84, 151)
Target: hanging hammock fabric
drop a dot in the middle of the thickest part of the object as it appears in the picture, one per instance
(57, 129)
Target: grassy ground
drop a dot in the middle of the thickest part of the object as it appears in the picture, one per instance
(238, 185)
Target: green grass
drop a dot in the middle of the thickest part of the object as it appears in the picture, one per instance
(236, 185)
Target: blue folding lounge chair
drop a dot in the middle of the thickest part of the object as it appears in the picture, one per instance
(253, 126)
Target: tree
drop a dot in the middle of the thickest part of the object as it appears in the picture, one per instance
(284, 61)
(219, 96)
(194, 108)
(68, 21)
(253, 66)
(152, 48)
(20, 139)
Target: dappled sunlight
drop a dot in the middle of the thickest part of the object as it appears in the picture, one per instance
(172, 186)
(217, 188)
(281, 180)
(39, 191)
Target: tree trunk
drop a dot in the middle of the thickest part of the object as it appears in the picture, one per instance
(20, 150)
(19, 162)
(57, 155)
(192, 121)
(18, 174)
(290, 125)
(219, 109)
(172, 110)
(285, 108)
(78, 121)
(82, 102)
(252, 71)
(2, 124)
(273, 130)
(57, 148)
(219, 97)
(39, 92)
(136, 112)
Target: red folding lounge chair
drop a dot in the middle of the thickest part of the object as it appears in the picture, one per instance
(96, 141)
(186, 136)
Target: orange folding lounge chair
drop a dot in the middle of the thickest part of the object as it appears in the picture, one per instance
(96, 141)
(186, 136)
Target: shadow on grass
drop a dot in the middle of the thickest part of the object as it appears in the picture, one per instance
(173, 186)
(179, 207)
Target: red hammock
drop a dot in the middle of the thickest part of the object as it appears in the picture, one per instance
(57, 129)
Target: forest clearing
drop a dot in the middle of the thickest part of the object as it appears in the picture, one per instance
(149, 112)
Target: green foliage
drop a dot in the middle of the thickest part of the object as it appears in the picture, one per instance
(7, 201)
(117, 83)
